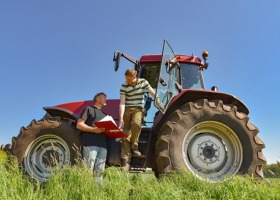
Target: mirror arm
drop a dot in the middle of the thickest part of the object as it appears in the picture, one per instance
(129, 58)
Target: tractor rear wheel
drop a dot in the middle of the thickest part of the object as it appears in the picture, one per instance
(212, 140)
(46, 146)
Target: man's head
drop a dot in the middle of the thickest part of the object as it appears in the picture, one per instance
(130, 76)
(100, 99)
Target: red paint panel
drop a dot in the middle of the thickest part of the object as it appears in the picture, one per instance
(181, 58)
(112, 107)
(150, 58)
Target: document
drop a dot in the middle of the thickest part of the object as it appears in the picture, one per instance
(111, 128)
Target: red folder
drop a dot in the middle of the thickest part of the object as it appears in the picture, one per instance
(111, 129)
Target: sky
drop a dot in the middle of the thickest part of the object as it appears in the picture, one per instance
(59, 51)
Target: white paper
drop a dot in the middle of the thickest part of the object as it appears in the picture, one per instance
(108, 118)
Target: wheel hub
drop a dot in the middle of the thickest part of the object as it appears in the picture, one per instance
(50, 158)
(45, 155)
(207, 152)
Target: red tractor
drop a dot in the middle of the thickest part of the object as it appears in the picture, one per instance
(204, 131)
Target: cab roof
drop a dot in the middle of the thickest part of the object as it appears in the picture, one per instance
(148, 58)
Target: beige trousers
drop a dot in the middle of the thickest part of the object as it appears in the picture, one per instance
(132, 127)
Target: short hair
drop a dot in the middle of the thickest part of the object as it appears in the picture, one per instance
(130, 72)
(97, 95)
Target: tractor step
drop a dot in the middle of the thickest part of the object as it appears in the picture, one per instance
(137, 170)
(139, 161)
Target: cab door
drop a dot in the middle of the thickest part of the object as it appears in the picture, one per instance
(169, 80)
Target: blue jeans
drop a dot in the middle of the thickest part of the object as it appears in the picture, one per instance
(95, 158)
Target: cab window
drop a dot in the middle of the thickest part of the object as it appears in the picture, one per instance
(150, 73)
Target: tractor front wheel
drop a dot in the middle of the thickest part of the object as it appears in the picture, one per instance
(212, 140)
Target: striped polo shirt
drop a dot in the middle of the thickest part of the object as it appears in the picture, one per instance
(134, 95)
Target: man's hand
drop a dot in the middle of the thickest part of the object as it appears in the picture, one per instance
(98, 130)
(158, 102)
(121, 124)
(85, 128)
(161, 106)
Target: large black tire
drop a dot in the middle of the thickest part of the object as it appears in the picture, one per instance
(212, 140)
(45, 146)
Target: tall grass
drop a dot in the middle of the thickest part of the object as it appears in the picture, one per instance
(272, 170)
(77, 183)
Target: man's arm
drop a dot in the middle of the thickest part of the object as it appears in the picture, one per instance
(152, 92)
(156, 98)
(121, 110)
(85, 128)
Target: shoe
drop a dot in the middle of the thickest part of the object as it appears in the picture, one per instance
(126, 166)
(135, 151)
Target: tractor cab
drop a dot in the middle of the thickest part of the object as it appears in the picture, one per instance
(168, 74)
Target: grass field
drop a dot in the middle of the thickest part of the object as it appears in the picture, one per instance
(77, 183)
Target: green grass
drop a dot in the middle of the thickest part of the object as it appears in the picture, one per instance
(76, 183)
(3, 156)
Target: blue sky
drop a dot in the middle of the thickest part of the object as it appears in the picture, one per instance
(54, 52)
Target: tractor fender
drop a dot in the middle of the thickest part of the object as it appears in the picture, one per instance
(187, 95)
(61, 112)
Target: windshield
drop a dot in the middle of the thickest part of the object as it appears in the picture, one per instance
(191, 76)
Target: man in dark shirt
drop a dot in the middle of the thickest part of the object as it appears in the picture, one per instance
(93, 139)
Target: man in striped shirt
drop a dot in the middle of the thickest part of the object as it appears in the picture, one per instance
(131, 113)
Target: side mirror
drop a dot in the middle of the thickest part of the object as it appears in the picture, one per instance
(116, 59)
